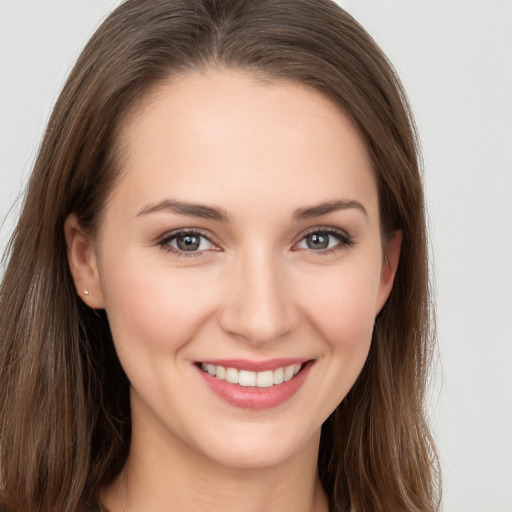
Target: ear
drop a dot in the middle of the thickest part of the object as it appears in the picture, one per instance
(83, 263)
(389, 267)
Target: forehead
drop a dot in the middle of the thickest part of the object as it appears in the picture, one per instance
(204, 136)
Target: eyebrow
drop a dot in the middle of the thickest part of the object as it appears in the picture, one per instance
(328, 207)
(209, 212)
(183, 208)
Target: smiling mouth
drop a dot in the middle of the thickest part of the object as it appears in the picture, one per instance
(247, 378)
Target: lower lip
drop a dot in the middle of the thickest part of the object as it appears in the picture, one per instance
(253, 397)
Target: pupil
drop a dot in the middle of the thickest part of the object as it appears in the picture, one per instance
(318, 241)
(188, 242)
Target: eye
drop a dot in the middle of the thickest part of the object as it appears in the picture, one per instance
(187, 243)
(325, 240)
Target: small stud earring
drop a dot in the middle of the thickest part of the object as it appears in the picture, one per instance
(86, 292)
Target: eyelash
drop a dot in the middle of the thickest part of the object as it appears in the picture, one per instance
(165, 242)
(345, 241)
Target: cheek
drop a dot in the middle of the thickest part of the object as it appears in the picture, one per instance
(152, 311)
(341, 306)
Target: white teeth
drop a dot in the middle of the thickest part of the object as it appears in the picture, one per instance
(288, 373)
(247, 378)
(221, 372)
(265, 379)
(232, 375)
(278, 376)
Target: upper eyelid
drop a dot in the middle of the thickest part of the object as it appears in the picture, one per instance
(196, 231)
(324, 229)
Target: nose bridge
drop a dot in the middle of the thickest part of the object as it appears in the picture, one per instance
(259, 304)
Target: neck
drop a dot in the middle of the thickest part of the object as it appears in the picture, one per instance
(164, 474)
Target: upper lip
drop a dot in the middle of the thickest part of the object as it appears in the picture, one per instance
(256, 366)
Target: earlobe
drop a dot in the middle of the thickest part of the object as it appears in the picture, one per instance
(389, 268)
(83, 263)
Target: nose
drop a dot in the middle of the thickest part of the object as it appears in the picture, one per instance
(258, 300)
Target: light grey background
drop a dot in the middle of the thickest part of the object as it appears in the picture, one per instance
(455, 58)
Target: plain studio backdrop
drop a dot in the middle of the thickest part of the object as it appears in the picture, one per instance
(455, 59)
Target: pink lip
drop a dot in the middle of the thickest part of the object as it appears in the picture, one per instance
(253, 397)
(255, 366)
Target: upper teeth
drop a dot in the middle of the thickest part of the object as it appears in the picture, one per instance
(263, 379)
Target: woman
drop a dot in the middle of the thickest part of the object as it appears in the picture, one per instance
(217, 292)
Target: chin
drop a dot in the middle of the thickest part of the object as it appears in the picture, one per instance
(255, 446)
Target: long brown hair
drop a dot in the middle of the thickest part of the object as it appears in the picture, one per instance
(64, 407)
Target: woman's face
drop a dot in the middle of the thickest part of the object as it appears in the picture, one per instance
(241, 244)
